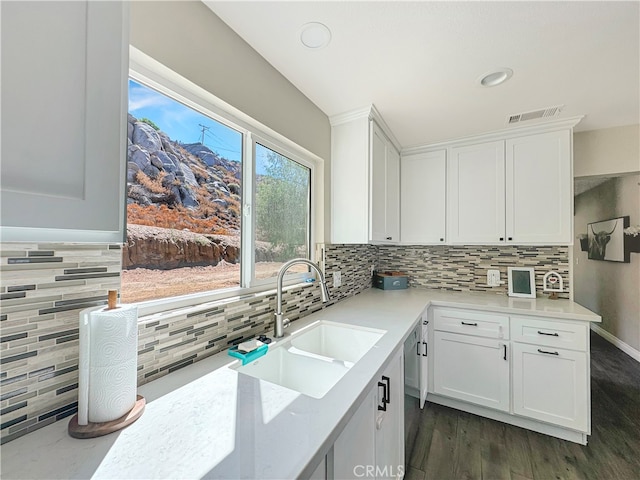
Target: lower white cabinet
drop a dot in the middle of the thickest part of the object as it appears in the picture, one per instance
(473, 369)
(416, 366)
(372, 443)
(424, 360)
(550, 384)
(526, 370)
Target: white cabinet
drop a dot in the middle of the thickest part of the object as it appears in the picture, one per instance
(416, 361)
(365, 178)
(389, 438)
(372, 443)
(550, 384)
(551, 371)
(515, 191)
(64, 89)
(385, 188)
(526, 370)
(539, 188)
(424, 360)
(476, 189)
(423, 198)
(356, 445)
(412, 348)
(473, 369)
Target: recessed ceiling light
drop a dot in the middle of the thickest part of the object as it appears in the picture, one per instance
(496, 78)
(315, 35)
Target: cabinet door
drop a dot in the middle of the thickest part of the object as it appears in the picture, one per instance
(378, 193)
(389, 436)
(476, 193)
(412, 351)
(64, 84)
(392, 198)
(355, 447)
(473, 369)
(424, 361)
(550, 384)
(385, 188)
(539, 204)
(423, 198)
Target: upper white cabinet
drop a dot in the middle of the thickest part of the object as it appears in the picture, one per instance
(476, 193)
(539, 188)
(423, 198)
(514, 191)
(64, 92)
(365, 178)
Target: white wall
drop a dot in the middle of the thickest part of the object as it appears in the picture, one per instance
(609, 151)
(608, 288)
(191, 40)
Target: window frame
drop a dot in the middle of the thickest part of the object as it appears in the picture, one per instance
(150, 73)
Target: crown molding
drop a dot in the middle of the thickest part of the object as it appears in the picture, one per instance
(369, 112)
(512, 132)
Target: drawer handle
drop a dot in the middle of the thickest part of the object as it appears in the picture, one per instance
(470, 324)
(425, 348)
(549, 334)
(504, 345)
(548, 353)
(384, 396)
(389, 238)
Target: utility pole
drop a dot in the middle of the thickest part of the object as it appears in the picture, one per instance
(204, 129)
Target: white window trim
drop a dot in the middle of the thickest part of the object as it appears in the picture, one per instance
(148, 71)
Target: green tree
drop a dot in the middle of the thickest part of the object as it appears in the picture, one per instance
(148, 121)
(282, 205)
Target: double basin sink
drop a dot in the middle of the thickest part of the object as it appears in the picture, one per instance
(312, 360)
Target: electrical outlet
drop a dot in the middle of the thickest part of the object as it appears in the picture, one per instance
(373, 269)
(337, 279)
(493, 278)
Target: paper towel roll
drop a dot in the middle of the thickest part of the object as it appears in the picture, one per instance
(107, 381)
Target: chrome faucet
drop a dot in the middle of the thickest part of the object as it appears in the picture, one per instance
(282, 323)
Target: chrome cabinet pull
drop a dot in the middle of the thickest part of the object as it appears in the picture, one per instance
(549, 334)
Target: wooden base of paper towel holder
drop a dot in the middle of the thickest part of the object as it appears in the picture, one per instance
(92, 430)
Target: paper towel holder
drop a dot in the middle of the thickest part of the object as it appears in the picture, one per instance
(97, 429)
(92, 430)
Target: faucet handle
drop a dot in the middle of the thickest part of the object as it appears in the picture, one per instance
(285, 323)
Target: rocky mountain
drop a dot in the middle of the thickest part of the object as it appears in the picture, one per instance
(161, 171)
(177, 187)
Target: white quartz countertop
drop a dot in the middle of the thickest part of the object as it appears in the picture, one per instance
(208, 421)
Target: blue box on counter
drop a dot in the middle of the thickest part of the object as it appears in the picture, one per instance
(390, 280)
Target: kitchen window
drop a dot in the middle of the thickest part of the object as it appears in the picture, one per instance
(214, 207)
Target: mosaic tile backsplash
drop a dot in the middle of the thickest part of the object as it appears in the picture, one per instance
(464, 269)
(43, 287)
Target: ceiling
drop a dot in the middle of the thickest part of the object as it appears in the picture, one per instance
(419, 62)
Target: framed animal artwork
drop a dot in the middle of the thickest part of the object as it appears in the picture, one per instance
(607, 240)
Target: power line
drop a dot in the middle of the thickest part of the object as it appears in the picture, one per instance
(204, 128)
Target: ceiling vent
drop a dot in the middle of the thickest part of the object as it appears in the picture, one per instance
(535, 115)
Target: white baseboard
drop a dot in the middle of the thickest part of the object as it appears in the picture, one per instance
(626, 348)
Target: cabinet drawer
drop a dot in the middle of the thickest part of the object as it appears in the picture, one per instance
(488, 325)
(572, 336)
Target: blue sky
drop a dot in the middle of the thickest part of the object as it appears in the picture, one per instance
(182, 123)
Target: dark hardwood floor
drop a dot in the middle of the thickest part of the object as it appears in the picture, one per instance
(444, 443)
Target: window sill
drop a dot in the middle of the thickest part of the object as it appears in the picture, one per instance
(149, 311)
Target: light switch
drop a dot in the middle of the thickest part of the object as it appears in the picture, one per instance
(493, 278)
